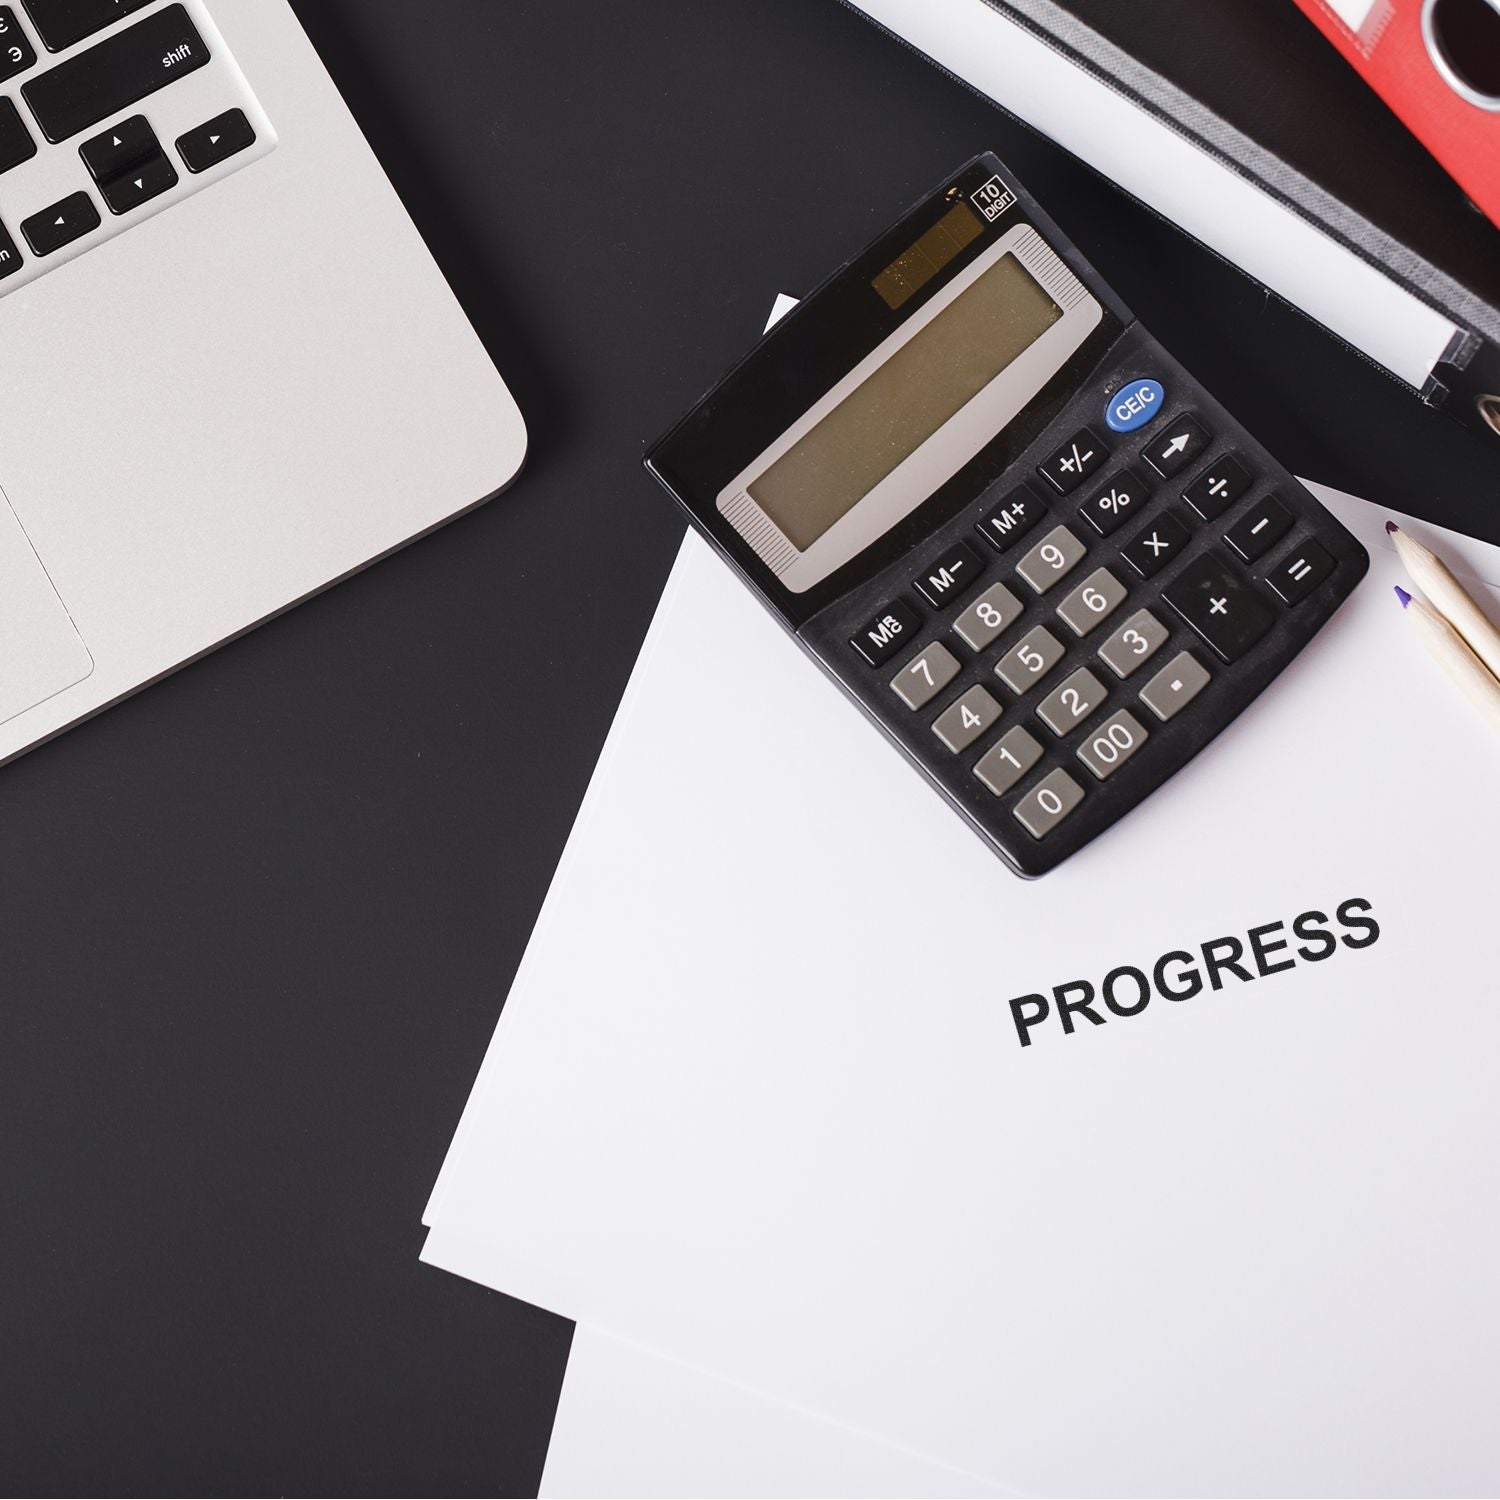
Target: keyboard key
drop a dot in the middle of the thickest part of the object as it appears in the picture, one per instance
(881, 638)
(1009, 521)
(60, 23)
(16, 144)
(1079, 457)
(1066, 708)
(948, 577)
(1214, 491)
(1117, 502)
(959, 726)
(925, 676)
(1134, 405)
(1175, 686)
(1029, 660)
(119, 148)
(1007, 761)
(1092, 602)
(1134, 643)
(1052, 559)
(1221, 608)
(16, 53)
(1157, 545)
(1259, 529)
(1048, 803)
(1112, 744)
(116, 73)
(10, 257)
(222, 137)
(1175, 446)
(61, 224)
(988, 617)
(1300, 572)
(139, 184)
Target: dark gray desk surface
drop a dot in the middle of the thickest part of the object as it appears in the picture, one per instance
(258, 922)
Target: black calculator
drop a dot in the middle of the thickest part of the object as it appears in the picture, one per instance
(1032, 548)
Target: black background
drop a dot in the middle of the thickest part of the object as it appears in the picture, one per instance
(258, 922)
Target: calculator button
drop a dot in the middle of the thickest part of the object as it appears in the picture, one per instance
(1259, 529)
(1029, 660)
(1175, 446)
(925, 675)
(988, 617)
(1134, 643)
(1067, 707)
(1007, 761)
(949, 576)
(1219, 607)
(1048, 803)
(1175, 686)
(1116, 503)
(1133, 405)
(1092, 602)
(1074, 461)
(1300, 572)
(1214, 491)
(1157, 545)
(958, 727)
(1052, 559)
(1112, 744)
(886, 634)
(1009, 521)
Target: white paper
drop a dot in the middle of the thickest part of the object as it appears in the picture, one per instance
(757, 1099)
(1176, 177)
(631, 1423)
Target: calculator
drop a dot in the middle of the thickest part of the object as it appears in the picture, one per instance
(1037, 553)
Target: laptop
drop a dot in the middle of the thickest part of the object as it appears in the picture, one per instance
(230, 372)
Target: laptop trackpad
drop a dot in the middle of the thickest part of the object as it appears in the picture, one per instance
(40, 651)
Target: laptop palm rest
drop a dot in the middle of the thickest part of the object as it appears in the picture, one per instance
(41, 652)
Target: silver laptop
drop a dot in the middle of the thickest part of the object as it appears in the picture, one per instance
(230, 373)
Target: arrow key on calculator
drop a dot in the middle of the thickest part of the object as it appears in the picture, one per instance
(1175, 446)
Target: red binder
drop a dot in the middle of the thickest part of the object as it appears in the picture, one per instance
(1437, 64)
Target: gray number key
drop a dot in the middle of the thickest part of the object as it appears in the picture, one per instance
(1072, 703)
(1092, 602)
(1029, 660)
(1048, 803)
(989, 616)
(925, 675)
(1112, 744)
(1052, 559)
(959, 726)
(1175, 686)
(1007, 761)
(1134, 643)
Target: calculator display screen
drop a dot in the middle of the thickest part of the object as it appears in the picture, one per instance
(904, 401)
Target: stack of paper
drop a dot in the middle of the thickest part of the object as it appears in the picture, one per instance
(759, 1101)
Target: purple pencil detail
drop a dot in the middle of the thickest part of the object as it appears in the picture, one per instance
(1391, 526)
(1403, 596)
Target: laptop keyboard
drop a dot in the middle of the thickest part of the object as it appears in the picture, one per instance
(110, 110)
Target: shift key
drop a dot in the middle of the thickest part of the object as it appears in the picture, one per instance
(115, 74)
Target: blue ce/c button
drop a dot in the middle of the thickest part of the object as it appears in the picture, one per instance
(1134, 405)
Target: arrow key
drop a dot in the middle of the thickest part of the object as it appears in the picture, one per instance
(222, 137)
(61, 224)
(1175, 446)
(139, 184)
(108, 154)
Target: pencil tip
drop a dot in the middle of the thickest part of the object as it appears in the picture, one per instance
(1403, 596)
(1391, 526)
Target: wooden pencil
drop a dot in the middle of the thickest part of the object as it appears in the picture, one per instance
(1449, 597)
(1449, 649)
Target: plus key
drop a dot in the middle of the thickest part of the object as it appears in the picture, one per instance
(1229, 616)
